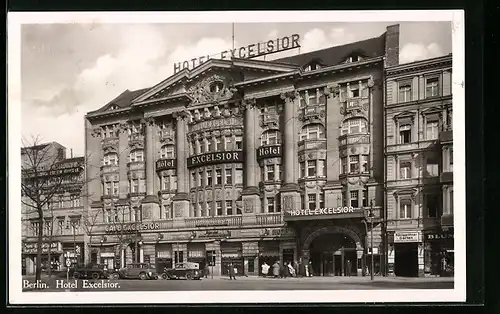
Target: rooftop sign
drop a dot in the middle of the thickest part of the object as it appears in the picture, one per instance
(245, 52)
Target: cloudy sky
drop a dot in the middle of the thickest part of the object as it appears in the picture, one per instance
(70, 69)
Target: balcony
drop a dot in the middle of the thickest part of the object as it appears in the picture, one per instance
(136, 138)
(269, 219)
(351, 139)
(135, 165)
(110, 141)
(312, 144)
(110, 168)
(213, 221)
(312, 113)
(167, 136)
(446, 177)
(270, 119)
(408, 147)
(446, 136)
(352, 104)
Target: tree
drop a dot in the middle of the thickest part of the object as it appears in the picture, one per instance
(89, 219)
(39, 184)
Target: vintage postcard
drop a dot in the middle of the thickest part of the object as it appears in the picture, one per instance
(287, 157)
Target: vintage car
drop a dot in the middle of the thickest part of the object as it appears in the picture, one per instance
(141, 271)
(183, 270)
(89, 271)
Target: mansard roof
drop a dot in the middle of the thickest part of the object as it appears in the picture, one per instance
(369, 48)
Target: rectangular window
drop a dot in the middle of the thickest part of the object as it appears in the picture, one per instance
(107, 188)
(239, 142)
(210, 144)
(365, 197)
(302, 201)
(432, 166)
(354, 199)
(321, 168)
(432, 87)
(238, 176)
(405, 92)
(353, 164)
(364, 163)
(269, 172)
(404, 170)
(115, 188)
(313, 100)
(229, 176)
(203, 146)
(405, 209)
(405, 134)
(277, 204)
(173, 183)
(135, 186)
(302, 169)
(228, 142)
(229, 207)
(280, 169)
(432, 204)
(209, 177)
(311, 168)
(344, 165)
(321, 200)
(270, 204)
(218, 175)
(354, 92)
(431, 130)
(197, 146)
(218, 143)
(218, 206)
(311, 201)
(191, 148)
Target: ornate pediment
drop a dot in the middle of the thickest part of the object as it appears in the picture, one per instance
(212, 89)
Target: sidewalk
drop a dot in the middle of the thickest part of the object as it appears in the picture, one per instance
(339, 279)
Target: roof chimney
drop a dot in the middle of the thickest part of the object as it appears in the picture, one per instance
(392, 45)
(71, 150)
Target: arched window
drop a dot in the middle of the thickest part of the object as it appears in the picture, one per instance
(167, 151)
(354, 126)
(110, 159)
(136, 155)
(216, 87)
(270, 137)
(312, 131)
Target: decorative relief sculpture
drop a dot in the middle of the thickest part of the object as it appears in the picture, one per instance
(288, 203)
(289, 96)
(331, 91)
(201, 93)
(178, 210)
(248, 206)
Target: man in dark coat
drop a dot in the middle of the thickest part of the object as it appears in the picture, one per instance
(276, 269)
(349, 267)
(232, 275)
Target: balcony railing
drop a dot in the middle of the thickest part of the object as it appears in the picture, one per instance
(109, 141)
(269, 219)
(355, 103)
(352, 139)
(270, 118)
(312, 144)
(410, 146)
(110, 168)
(136, 165)
(213, 221)
(136, 137)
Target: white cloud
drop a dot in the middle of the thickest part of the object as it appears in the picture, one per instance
(273, 34)
(418, 51)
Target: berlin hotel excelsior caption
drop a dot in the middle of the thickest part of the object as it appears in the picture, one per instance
(212, 164)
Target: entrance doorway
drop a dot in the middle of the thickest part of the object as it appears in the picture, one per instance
(406, 259)
(334, 255)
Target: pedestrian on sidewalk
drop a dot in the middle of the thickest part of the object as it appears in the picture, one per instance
(265, 269)
(276, 269)
(349, 268)
(291, 270)
(206, 270)
(286, 270)
(232, 274)
(296, 268)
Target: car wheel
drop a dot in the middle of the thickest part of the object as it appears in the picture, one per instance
(114, 276)
(164, 276)
(143, 276)
(189, 276)
(96, 275)
(76, 276)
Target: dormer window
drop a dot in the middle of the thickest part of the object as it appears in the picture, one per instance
(312, 67)
(113, 107)
(216, 87)
(354, 58)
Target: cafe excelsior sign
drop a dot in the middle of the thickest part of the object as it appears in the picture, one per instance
(245, 52)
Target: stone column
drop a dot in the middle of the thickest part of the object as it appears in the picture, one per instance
(181, 198)
(290, 197)
(333, 188)
(250, 195)
(150, 203)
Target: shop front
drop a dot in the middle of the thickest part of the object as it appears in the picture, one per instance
(407, 254)
(107, 257)
(163, 256)
(269, 253)
(29, 256)
(231, 253)
(196, 254)
(439, 253)
(74, 252)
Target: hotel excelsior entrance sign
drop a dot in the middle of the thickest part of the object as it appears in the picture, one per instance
(324, 213)
(244, 52)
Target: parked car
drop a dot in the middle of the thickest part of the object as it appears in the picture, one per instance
(87, 272)
(183, 270)
(141, 271)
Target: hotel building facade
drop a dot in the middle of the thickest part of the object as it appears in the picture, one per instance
(419, 168)
(246, 161)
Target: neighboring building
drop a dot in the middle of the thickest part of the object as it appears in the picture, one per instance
(219, 162)
(62, 230)
(419, 167)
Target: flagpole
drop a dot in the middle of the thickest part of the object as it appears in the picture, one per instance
(233, 36)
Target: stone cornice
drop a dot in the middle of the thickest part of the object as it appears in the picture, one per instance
(418, 66)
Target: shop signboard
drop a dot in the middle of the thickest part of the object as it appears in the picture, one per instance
(216, 124)
(245, 52)
(438, 236)
(215, 234)
(407, 237)
(131, 227)
(31, 247)
(324, 213)
(269, 151)
(166, 164)
(215, 158)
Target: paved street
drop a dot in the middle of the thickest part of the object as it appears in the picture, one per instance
(255, 283)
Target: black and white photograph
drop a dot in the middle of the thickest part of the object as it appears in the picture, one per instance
(236, 157)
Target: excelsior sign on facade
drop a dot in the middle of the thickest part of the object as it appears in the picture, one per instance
(245, 52)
